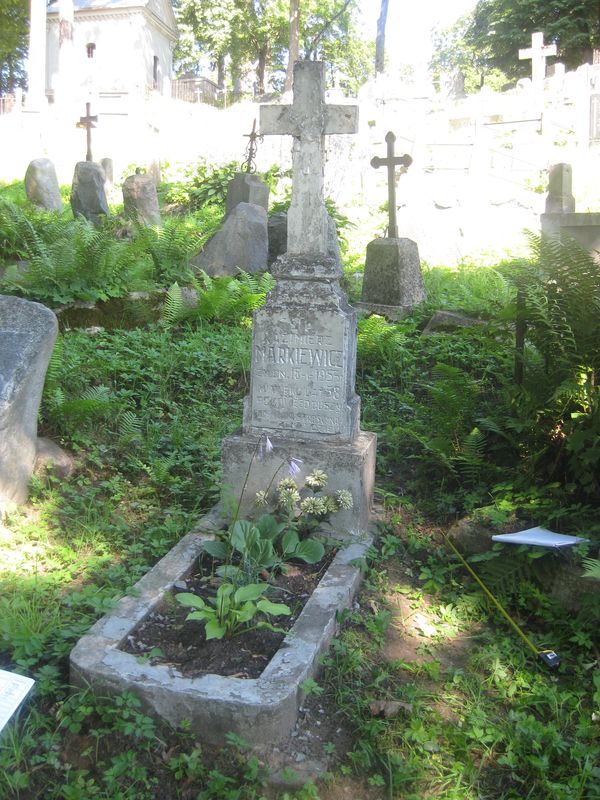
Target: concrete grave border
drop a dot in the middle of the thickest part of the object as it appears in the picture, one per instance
(263, 710)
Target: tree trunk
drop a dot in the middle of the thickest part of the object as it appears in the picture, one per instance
(260, 70)
(221, 72)
(294, 43)
(380, 40)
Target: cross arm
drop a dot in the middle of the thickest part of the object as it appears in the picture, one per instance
(397, 161)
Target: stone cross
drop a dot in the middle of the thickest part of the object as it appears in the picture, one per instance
(538, 53)
(391, 162)
(308, 119)
(87, 122)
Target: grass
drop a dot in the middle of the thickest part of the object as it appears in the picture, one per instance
(441, 699)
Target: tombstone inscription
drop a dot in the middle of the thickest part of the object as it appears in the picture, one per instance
(304, 338)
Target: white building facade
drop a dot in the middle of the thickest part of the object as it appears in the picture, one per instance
(120, 50)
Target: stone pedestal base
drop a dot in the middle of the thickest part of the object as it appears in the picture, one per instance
(392, 275)
(348, 465)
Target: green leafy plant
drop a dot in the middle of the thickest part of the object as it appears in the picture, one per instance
(233, 610)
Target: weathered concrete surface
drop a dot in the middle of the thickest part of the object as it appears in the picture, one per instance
(560, 198)
(308, 119)
(449, 320)
(50, 458)
(583, 227)
(240, 243)
(263, 710)
(140, 200)
(348, 465)
(27, 335)
(41, 185)
(246, 188)
(392, 275)
(277, 228)
(88, 198)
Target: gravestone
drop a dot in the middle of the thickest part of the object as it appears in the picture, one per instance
(87, 122)
(246, 188)
(561, 221)
(109, 178)
(27, 334)
(240, 243)
(392, 283)
(560, 198)
(88, 198)
(302, 388)
(140, 200)
(41, 185)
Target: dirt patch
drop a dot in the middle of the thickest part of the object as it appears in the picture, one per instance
(166, 637)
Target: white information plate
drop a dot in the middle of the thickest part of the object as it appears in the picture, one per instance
(13, 688)
(539, 537)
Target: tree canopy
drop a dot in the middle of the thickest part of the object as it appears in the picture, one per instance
(13, 44)
(234, 34)
(488, 40)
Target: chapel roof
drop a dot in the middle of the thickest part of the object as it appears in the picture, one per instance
(89, 5)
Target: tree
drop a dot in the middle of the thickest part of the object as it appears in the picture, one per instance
(498, 28)
(262, 33)
(13, 44)
(294, 48)
(380, 40)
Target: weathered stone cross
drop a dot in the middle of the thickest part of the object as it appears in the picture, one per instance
(391, 162)
(87, 122)
(538, 53)
(307, 120)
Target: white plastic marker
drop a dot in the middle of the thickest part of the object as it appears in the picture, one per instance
(539, 537)
(13, 688)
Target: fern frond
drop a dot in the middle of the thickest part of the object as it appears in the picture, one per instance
(173, 309)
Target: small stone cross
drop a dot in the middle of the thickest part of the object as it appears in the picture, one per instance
(308, 119)
(391, 162)
(538, 53)
(87, 122)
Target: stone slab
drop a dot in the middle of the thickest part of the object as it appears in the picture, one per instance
(27, 335)
(263, 710)
(240, 243)
(140, 200)
(348, 465)
(393, 274)
(41, 185)
(581, 226)
(304, 356)
(88, 198)
(246, 188)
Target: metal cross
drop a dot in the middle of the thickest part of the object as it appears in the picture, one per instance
(391, 162)
(250, 153)
(87, 122)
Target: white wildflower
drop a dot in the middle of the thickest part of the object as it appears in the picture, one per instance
(344, 498)
(317, 479)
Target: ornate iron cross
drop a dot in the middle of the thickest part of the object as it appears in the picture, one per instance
(250, 153)
(87, 122)
(391, 162)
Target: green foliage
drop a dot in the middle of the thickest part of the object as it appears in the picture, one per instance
(66, 260)
(13, 44)
(231, 299)
(498, 28)
(233, 610)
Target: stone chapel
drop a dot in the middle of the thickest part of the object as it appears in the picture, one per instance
(119, 50)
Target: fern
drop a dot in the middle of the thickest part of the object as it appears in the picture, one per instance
(591, 568)
(173, 309)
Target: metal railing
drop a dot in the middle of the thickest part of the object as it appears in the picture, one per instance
(7, 103)
(195, 90)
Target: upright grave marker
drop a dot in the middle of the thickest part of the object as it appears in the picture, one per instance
(538, 53)
(392, 283)
(87, 122)
(304, 339)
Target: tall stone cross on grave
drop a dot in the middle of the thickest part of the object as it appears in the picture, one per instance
(308, 119)
(538, 53)
(391, 162)
(302, 409)
(87, 122)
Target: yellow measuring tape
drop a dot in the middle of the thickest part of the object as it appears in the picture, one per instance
(549, 657)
